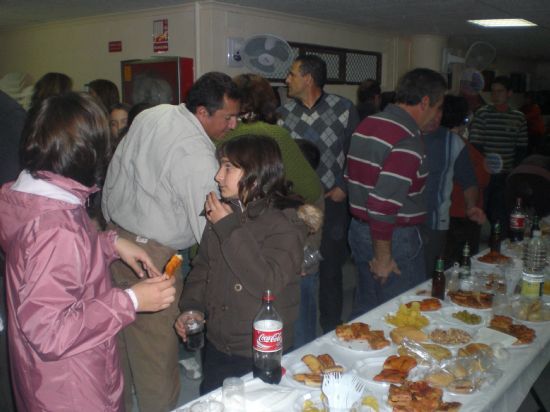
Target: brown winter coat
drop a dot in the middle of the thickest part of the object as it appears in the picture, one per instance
(240, 257)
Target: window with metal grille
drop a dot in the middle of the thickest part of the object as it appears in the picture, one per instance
(344, 66)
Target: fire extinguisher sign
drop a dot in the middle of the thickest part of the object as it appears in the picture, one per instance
(160, 36)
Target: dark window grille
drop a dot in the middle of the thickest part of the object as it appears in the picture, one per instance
(344, 66)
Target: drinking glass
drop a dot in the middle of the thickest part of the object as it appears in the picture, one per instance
(194, 329)
(233, 394)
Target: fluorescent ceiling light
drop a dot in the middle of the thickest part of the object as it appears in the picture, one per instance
(503, 23)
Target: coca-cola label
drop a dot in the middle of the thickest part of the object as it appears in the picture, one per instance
(517, 222)
(267, 341)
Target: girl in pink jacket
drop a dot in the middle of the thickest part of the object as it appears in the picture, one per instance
(63, 313)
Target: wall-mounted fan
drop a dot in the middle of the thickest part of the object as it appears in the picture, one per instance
(479, 56)
(265, 54)
(19, 86)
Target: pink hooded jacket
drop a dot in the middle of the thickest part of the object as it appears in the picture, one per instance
(63, 313)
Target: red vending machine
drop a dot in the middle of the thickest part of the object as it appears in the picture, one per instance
(156, 80)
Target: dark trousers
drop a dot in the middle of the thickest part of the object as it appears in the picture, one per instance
(334, 249)
(434, 245)
(495, 202)
(217, 366)
(461, 230)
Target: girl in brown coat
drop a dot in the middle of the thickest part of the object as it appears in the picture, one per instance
(254, 241)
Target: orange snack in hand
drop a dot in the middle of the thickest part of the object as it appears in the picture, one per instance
(173, 264)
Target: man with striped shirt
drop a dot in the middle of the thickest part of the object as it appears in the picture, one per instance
(499, 133)
(386, 173)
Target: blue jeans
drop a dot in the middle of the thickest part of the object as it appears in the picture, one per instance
(305, 327)
(408, 253)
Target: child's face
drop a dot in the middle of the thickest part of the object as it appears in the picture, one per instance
(228, 178)
(118, 121)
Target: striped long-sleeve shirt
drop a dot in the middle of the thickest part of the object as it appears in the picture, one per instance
(503, 133)
(386, 172)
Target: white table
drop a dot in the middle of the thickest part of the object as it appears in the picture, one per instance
(520, 371)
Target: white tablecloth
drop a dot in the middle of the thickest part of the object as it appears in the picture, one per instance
(521, 370)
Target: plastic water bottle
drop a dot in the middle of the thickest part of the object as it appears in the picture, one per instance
(465, 281)
(534, 264)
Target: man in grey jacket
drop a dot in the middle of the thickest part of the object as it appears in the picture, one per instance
(155, 189)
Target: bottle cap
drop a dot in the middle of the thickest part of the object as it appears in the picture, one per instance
(268, 296)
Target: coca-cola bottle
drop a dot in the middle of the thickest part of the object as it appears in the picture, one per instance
(517, 222)
(267, 341)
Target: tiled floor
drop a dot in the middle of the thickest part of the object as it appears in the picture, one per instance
(190, 388)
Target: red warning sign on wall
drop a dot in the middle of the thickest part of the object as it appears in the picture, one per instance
(160, 36)
(115, 46)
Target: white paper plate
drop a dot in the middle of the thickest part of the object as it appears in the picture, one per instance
(434, 326)
(368, 368)
(412, 298)
(301, 367)
(360, 345)
(313, 396)
(456, 305)
(491, 336)
(446, 315)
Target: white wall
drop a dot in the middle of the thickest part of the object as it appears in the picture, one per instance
(79, 47)
(219, 21)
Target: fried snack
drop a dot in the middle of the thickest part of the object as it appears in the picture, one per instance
(475, 300)
(344, 332)
(401, 363)
(416, 397)
(451, 336)
(440, 379)
(408, 316)
(433, 350)
(448, 407)
(437, 352)
(462, 386)
(396, 369)
(427, 305)
(359, 331)
(318, 365)
(494, 258)
(398, 334)
(505, 324)
(309, 379)
(313, 363)
(326, 361)
(458, 370)
(474, 349)
(390, 376)
(173, 264)
(532, 311)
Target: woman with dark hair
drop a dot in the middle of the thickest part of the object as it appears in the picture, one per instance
(63, 313)
(258, 116)
(254, 241)
(105, 91)
(118, 120)
(51, 84)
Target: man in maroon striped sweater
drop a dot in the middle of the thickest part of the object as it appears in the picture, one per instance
(386, 172)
